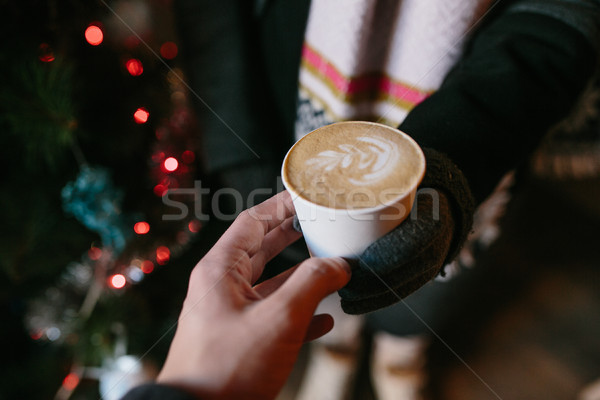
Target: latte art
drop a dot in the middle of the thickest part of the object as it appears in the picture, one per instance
(353, 165)
(367, 161)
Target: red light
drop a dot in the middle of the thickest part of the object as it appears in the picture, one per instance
(94, 35)
(71, 381)
(162, 255)
(168, 50)
(47, 58)
(160, 190)
(141, 115)
(118, 281)
(94, 253)
(188, 157)
(171, 164)
(147, 267)
(141, 228)
(37, 335)
(134, 67)
(46, 54)
(194, 226)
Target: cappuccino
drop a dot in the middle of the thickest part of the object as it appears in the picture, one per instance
(353, 165)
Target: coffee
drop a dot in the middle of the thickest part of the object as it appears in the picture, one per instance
(353, 165)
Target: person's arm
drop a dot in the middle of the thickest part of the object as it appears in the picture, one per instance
(521, 74)
(154, 391)
(238, 123)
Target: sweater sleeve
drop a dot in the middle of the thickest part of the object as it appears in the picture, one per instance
(521, 73)
(153, 391)
(226, 81)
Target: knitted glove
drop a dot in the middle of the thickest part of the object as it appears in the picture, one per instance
(414, 253)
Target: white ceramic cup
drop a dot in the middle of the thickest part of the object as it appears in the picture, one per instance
(330, 232)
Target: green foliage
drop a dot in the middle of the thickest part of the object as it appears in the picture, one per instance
(38, 110)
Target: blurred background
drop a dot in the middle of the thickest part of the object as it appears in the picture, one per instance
(95, 128)
(96, 125)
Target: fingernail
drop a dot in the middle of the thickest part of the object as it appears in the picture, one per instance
(344, 265)
(296, 224)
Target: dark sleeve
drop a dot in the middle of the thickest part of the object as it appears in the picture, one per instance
(520, 74)
(153, 391)
(227, 81)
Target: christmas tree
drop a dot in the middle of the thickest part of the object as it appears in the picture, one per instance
(96, 128)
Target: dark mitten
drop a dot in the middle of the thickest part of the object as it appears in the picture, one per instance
(414, 253)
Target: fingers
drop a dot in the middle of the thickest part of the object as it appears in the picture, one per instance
(264, 289)
(272, 212)
(274, 242)
(245, 236)
(312, 281)
(251, 226)
(320, 325)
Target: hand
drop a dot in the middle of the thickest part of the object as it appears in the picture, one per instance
(403, 260)
(236, 341)
(414, 253)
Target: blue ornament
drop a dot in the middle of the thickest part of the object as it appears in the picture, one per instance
(94, 201)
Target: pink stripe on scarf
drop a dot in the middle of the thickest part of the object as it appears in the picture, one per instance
(359, 84)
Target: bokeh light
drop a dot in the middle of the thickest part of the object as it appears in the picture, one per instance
(171, 164)
(46, 53)
(168, 50)
(194, 226)
(53, 333)
(71, 381)
(141, 228)
(118, 281)
(94, 35)
(147, 266)
(134, 67)
(160, 190)
(188, 157)
(141, 115)
(36, 335)
(94, 253)
(135, 274)
(163, 254)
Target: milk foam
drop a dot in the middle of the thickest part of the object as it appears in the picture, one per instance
(353, 165)
(365, 165)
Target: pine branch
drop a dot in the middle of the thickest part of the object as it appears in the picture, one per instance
(38, 110)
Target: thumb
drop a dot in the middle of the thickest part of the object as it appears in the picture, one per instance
(311, 282)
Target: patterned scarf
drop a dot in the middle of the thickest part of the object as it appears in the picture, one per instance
(376, 59)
